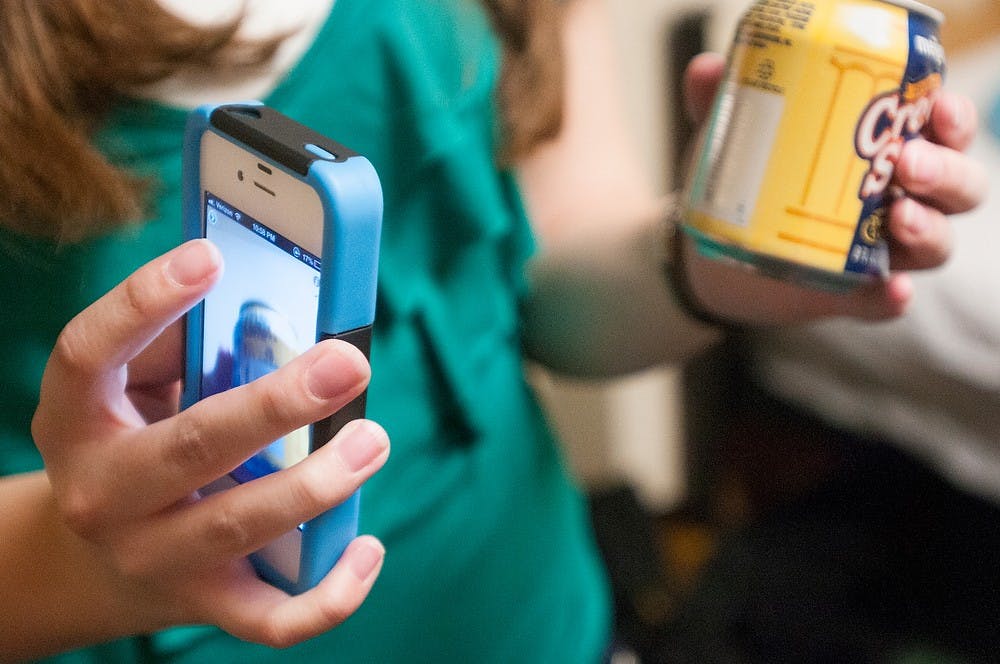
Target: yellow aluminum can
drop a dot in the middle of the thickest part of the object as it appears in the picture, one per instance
(794, 169)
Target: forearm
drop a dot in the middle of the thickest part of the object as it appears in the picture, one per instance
(55, 594)
(602, 306)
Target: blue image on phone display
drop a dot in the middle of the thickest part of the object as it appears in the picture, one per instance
(253, 326)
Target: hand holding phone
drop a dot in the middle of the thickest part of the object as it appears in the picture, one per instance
(116, 541)
(297, 218)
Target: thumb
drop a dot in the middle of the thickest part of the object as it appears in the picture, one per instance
(701, 81)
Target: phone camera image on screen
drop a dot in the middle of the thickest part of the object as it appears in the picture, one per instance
(253, 326)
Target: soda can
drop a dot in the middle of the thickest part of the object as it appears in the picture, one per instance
(794, 167)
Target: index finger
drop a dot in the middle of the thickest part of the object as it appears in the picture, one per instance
(954, 121)
(85, 371)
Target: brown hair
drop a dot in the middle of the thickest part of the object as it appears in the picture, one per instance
(64, 63)
(531, 83)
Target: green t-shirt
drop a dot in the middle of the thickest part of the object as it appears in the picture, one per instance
(490, 556)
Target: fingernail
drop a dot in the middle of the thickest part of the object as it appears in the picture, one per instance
(360, 443)
(959, 114)
(365, 557)
(914, 219)
(192, 263)
(332, 375)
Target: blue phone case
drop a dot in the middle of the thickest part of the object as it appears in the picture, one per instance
(351, 195)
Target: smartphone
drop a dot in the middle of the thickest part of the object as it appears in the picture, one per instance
(297, 218)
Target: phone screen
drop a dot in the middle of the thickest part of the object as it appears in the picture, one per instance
(260, 315)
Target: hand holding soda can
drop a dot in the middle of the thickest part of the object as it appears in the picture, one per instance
(795, 164)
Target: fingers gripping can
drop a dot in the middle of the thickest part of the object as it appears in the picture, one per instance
(794, 167)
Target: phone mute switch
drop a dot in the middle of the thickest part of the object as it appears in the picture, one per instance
(320, 152)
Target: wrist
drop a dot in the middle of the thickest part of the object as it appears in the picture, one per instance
(60, 595)
(675, 266)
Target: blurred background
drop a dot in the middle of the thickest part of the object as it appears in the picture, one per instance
(661, 494)
(633, 428)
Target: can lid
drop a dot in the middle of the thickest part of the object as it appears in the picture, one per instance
(935, 15)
